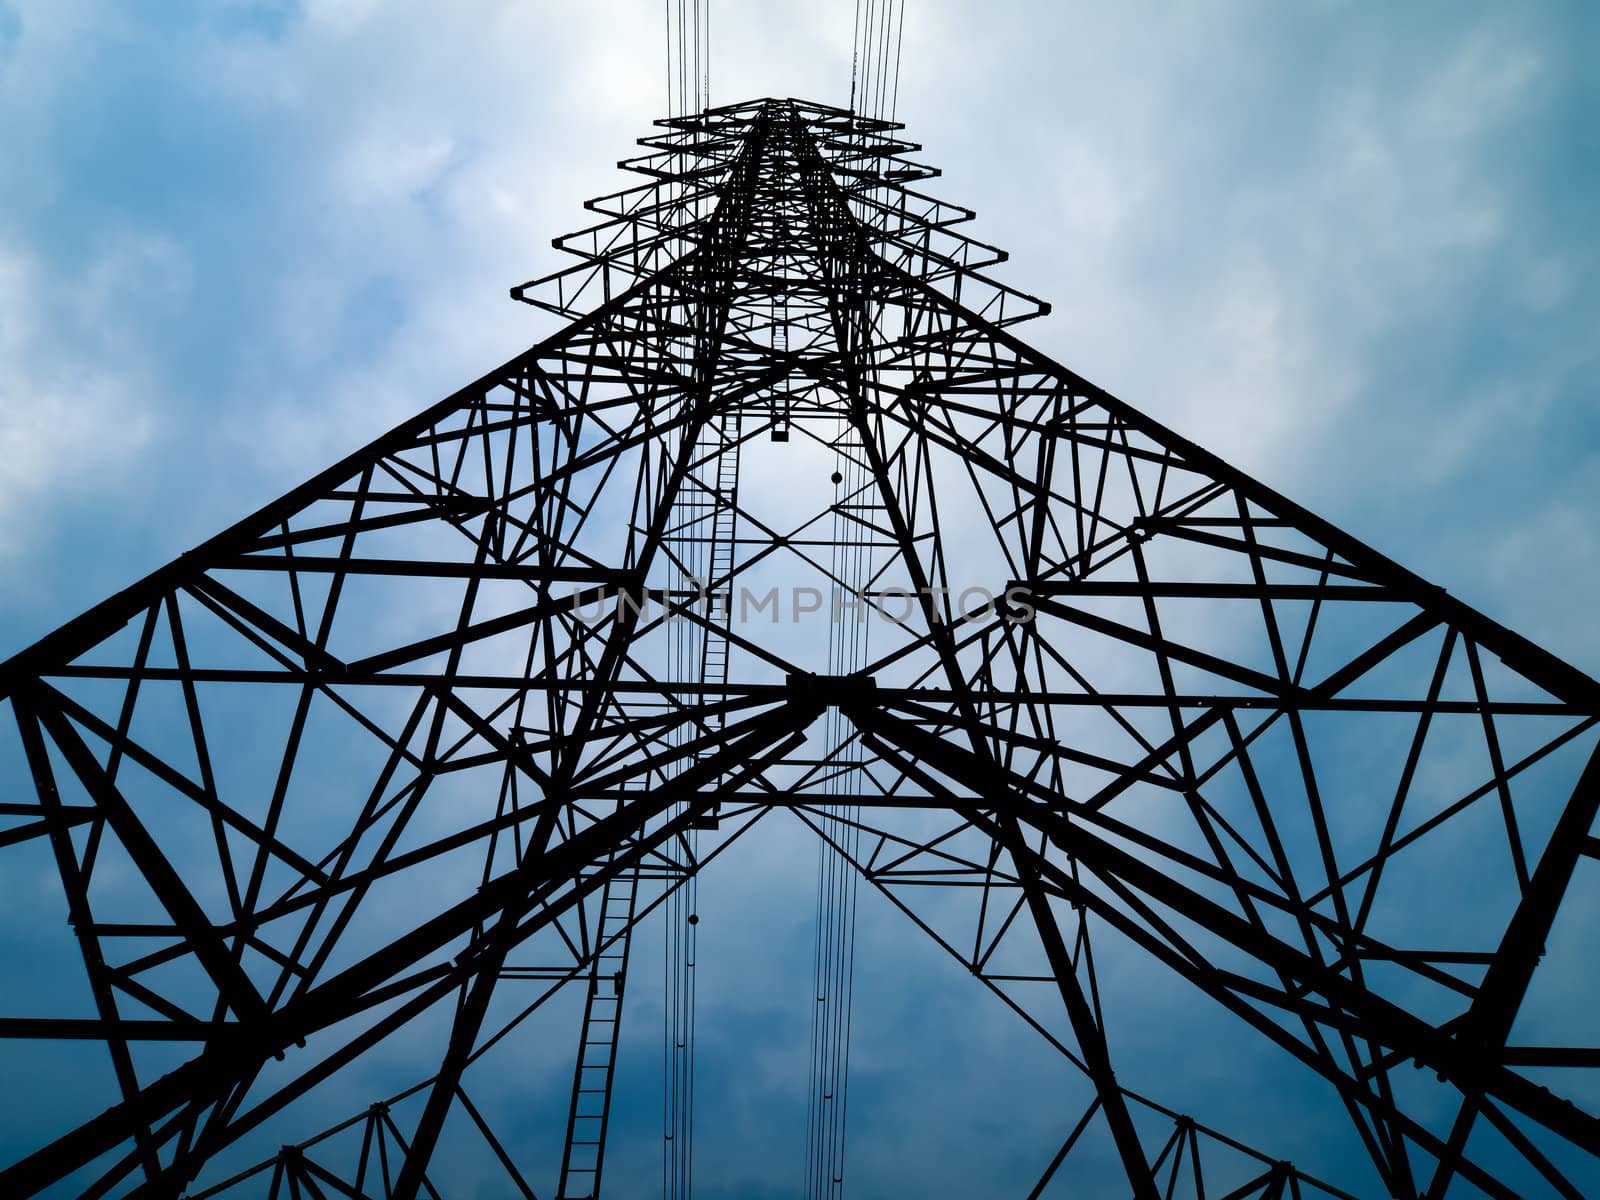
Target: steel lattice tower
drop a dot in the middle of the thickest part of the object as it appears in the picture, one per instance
(425, 739)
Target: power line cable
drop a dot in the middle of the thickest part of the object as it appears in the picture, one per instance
(899, 44)
(883, 52)
(866, 58)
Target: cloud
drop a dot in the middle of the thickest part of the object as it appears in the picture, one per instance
(75, 409)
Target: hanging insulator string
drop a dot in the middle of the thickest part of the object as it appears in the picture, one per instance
(855, 52)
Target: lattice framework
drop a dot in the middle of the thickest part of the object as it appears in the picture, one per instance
(381, 757)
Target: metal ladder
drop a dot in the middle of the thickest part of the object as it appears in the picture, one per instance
(720, 611)
(719, 602)
(590, 1109)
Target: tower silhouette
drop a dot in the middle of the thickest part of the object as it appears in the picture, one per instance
(785, 519)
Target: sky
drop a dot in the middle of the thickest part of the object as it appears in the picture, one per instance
(1350, 247)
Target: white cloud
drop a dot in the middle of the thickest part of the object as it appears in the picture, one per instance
(74, 409)
(391, 164)
(340, 17)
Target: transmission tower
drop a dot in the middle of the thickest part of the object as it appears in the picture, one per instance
(785, 521)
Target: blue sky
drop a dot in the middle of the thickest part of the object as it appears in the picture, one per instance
(1352, 248)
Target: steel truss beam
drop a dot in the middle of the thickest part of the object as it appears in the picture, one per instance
(348, 778)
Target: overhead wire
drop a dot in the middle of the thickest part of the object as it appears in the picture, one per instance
(688, 57)
(839, 849)
(878, 29)
(688, 69)
(899, 44)
(876, 47)
(883, 51)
